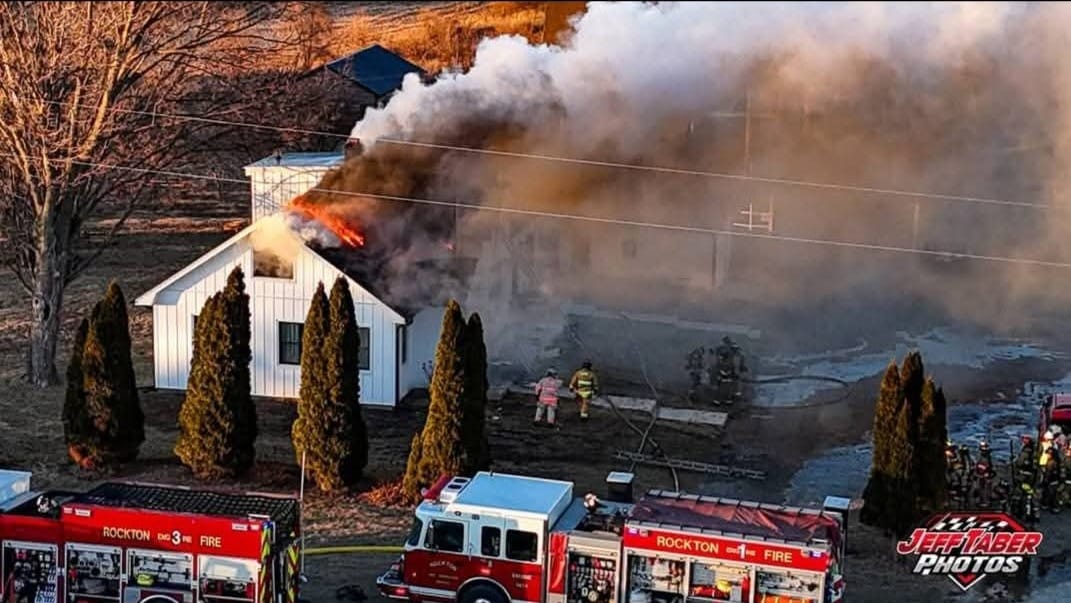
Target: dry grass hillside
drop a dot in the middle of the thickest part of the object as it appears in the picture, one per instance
(435, 35)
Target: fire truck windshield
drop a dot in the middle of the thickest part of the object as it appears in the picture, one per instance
(414, 532)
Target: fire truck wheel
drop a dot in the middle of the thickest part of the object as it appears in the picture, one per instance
(483, 593)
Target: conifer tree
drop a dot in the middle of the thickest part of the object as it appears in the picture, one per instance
(903, 510)
(112, 427)
(879, 490)
(441, 449)
(930, 456)
(236, 301)
(330, 429)
(76, 423)
(474, 399)
(307, 432)
(410, 481)
(211, 441)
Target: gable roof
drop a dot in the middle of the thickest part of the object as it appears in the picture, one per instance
(149, 297)
(362, 278)
(375, 68)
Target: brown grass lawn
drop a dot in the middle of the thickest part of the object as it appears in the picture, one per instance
(32, 432)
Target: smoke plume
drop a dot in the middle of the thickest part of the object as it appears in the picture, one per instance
(964, 99)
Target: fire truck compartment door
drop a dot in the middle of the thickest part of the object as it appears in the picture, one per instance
(36, 567)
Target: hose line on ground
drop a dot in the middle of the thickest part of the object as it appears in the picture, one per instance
(337, 550)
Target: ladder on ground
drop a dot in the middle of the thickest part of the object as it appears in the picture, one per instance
(686, 465)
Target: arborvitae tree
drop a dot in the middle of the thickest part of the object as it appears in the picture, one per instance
(112, 427)
(903, 502)
(879, 489)
(410, 482)
(313, 390)
(76, 423)
(474, 399)
(308, 432)
(211, 442)
(929, 452)
(330, 429)
(236, 301)
(912, 377)
(441, 450)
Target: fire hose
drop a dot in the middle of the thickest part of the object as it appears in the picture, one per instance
(367, 548)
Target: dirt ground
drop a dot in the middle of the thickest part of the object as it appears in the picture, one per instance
(770, 439)
(774, 439)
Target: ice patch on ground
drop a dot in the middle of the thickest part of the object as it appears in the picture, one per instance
(844, 470)
(939, 346)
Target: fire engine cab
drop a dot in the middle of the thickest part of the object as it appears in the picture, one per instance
(498, 538)
(134, 543)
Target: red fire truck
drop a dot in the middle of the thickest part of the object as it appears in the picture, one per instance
(500, 538)
(134, 543)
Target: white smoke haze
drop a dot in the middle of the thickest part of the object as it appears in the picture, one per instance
(956, 98)
(284, 232)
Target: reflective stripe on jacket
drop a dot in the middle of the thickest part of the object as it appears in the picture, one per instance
(584, 382)
(547, 390)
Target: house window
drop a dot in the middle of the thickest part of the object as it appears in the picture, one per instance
(364, 355)
(521, 546)
(628, 248)
(403, 343)
(270, 265)
(290, 342)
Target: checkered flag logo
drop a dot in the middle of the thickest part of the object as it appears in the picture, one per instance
(953, 523)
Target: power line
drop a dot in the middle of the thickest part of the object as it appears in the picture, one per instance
(728, 176)
(598, 163)
(603, 220)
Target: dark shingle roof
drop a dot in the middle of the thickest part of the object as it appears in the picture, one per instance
(376, 68)
(283, 511)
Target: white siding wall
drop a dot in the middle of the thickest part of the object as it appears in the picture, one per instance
(273, 187)
(423, 337)
(271, 301)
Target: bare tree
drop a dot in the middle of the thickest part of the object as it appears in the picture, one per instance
(82, 85)
(310, 27)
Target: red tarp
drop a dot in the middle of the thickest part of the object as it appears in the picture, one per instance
(711, 514)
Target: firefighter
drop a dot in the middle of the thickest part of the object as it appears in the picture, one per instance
(1024, 504)
(1064, 496)
(695, 368)
(729, 366)
(547, 398)
(955, 476)
(1001, 491)
(585, 384)
(1049, 477)
(1059, 437)
(982, 477)
(1024, 462)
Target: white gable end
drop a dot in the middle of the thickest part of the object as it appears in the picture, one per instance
(272, 301)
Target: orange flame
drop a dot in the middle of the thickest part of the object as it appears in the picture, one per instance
(323, 214)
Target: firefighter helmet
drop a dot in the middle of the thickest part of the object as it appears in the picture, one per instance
(983, 446)
(552, 372)
(1048, 436)
(586, 364)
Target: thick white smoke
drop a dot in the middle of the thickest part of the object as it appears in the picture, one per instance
(630, 64)
(912, 96)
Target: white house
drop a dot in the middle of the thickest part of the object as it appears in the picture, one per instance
(397, 345)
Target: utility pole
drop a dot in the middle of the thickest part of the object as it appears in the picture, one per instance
(747, 133)
(915, 228)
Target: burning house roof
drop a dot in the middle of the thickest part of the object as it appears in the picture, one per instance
(407, 286)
